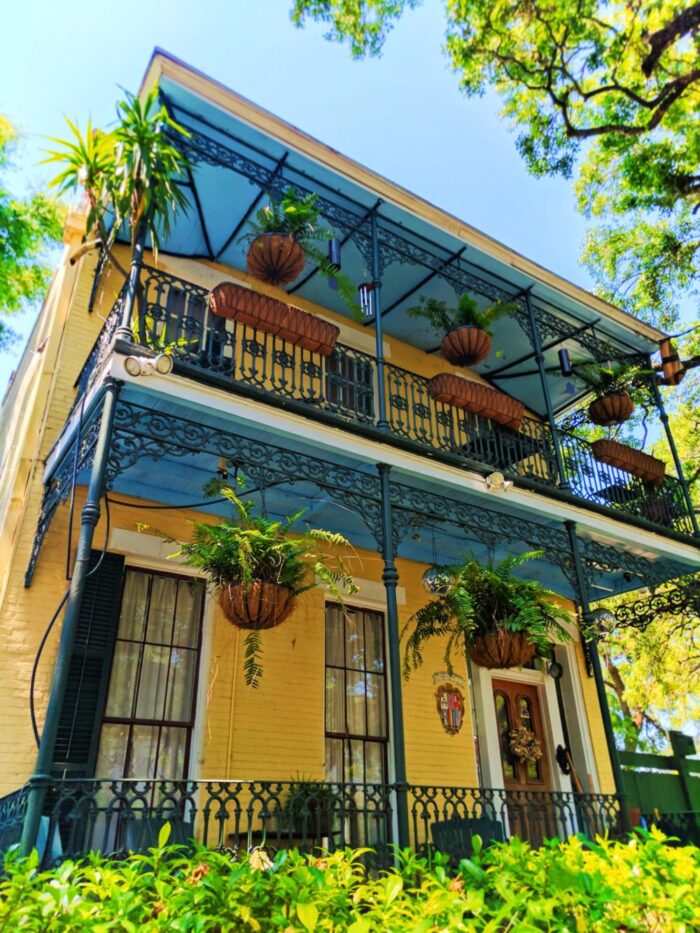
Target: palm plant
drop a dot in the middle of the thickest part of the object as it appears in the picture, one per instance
(445, 318)
(129, 173)
(248, 549)
(481, 601)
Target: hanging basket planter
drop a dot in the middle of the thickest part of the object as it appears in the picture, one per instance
(276, 258)
(501, 649)
(614, 408)
(258, 606)
(273, 316)
(477, 398)
(466, 345)
(633, 461)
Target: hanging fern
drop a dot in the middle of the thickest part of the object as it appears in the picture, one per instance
(248, 548)
(445, 318)
(482, 600)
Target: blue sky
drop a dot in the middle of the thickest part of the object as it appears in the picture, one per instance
(401, 115)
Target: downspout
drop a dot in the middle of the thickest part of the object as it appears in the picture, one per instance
(582, 587)
(90, 516)
(390, 579)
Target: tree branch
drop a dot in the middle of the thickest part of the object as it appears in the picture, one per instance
(686, 22)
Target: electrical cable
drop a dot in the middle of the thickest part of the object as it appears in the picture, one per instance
(49, 627)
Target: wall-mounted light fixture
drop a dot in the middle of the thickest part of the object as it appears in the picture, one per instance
(565, 363)
(334, 254)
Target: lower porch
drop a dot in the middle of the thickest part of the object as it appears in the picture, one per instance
(115, 817)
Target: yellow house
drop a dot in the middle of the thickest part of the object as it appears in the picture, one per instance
(123, 701)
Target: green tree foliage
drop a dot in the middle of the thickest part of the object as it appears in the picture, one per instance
(28, 227)
(609, 91)
(652, 678)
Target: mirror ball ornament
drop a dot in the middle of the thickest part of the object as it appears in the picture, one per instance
(437, 580)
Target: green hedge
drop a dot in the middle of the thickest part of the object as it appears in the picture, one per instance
(574, 886)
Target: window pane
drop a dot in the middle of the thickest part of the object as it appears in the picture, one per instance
(335, 700)
(376, 712)
(154, 675)
(355, 703)
(374, 763)
(503, 721)
(334, 636)
(334, 760)
(134, 605)
(374, 642)
(189, 608)
(181, 684)
(171, 754)
(123, 679)
(161, 610)
(111, 757)
(143, 752)
(354, 641)
(354, 761)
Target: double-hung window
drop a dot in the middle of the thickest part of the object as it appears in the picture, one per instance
(149, 713)
(356, 696)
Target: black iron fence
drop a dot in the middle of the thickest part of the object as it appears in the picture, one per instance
(173, 316)
(116, 817)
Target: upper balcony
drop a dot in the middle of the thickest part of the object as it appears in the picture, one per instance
(343, 389)
(395, 248)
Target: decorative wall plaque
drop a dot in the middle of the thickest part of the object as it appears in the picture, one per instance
(450, 707)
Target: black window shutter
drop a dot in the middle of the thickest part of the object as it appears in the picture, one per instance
(88, 675)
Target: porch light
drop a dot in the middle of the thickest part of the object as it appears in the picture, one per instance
(334, 254)
(555, 670)
(565, 363)
(437, 579)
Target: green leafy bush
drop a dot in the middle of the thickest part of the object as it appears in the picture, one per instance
(576, 886)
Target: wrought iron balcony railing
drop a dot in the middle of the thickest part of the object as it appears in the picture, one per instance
(115, 817)
(173, 316)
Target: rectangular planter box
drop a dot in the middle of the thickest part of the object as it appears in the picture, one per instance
(477, 398)
(633, 461)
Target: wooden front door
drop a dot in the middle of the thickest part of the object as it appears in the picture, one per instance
(528, 783)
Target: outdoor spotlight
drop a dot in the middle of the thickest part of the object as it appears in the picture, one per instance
(437, 580)
(132, 364)
(555, 670)
(565, 363)
(334, 254)
(163, 364)
(497, 482)
(147, 365)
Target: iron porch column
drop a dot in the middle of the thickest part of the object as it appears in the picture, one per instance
(382, 422)
(125, 330)
(582, 587)
(661, 408)
(89, 518)
(539, 357)
(390, 578)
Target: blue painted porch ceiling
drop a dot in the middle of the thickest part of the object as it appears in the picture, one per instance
(179, 480)
(226, 196)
